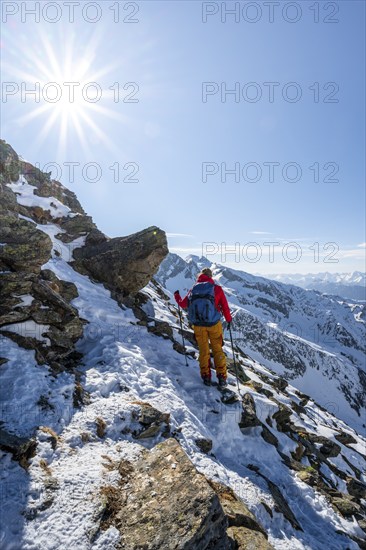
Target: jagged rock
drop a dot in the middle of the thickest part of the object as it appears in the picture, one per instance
(298, 408)
(249, 417)
(279, 499)
(148, 414)
(268, 436)
(304, 398)
(9, 163)
(298, 453)
(36, 213)
(65, 337)
(23, 247)
(150, 431)
(161, 328)
(152, 421)
(239, 371)
(178, 347)
(356, 488)
(362, 524)
(45, 306)
(168, 504)
(205, 445)
(309, 476)
(266, 392)
(282, 417)
(345, 506)
(280, 384)
(21, 448)
(345, 438)
(245, 527)
(124, 264)
(246, 539)
(79, 226)
(257, 386)
(67, 290)
(328, 448)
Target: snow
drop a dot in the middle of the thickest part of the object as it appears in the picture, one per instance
(30, 395)
(26, 299)
(26, 197)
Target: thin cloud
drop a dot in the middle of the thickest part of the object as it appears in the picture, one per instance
(186, 235)
(361, 245)
(352, 253)
(178, 249)
(261, 233)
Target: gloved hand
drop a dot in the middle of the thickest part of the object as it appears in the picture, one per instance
(226, 325)
(176, 295)
(176, 292)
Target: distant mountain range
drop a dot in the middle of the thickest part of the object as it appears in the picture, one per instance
(347, 285)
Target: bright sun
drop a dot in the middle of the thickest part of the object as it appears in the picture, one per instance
(70, 88)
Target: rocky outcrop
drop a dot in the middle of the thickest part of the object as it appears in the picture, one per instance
(244, 529)
(35, 306)
(167, 502)
(204, 444)
(170, 505)
(36, 313)
(21, 448)
(249, 417)
(124, 264)
(151, 420)
(23, 247)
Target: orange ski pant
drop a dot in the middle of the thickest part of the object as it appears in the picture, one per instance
(205, 337)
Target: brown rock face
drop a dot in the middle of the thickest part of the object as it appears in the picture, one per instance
(124, 264)
(23, 247)
(244, 528)
(164, 503)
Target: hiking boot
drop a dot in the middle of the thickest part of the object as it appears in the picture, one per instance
(206, 380)
(222, 382)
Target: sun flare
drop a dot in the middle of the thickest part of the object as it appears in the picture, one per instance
(69, 90)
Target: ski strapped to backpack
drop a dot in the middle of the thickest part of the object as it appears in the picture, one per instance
(202, 310)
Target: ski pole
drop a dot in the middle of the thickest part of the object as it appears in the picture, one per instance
(181, 329)
(235, 366)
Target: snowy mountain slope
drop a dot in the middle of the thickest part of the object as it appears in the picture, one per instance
(299, 469)
(316, 341)
(348, 285)
(152, 371)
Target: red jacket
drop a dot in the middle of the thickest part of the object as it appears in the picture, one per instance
(220, 298)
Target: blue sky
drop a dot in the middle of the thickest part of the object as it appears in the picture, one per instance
(168, 53)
